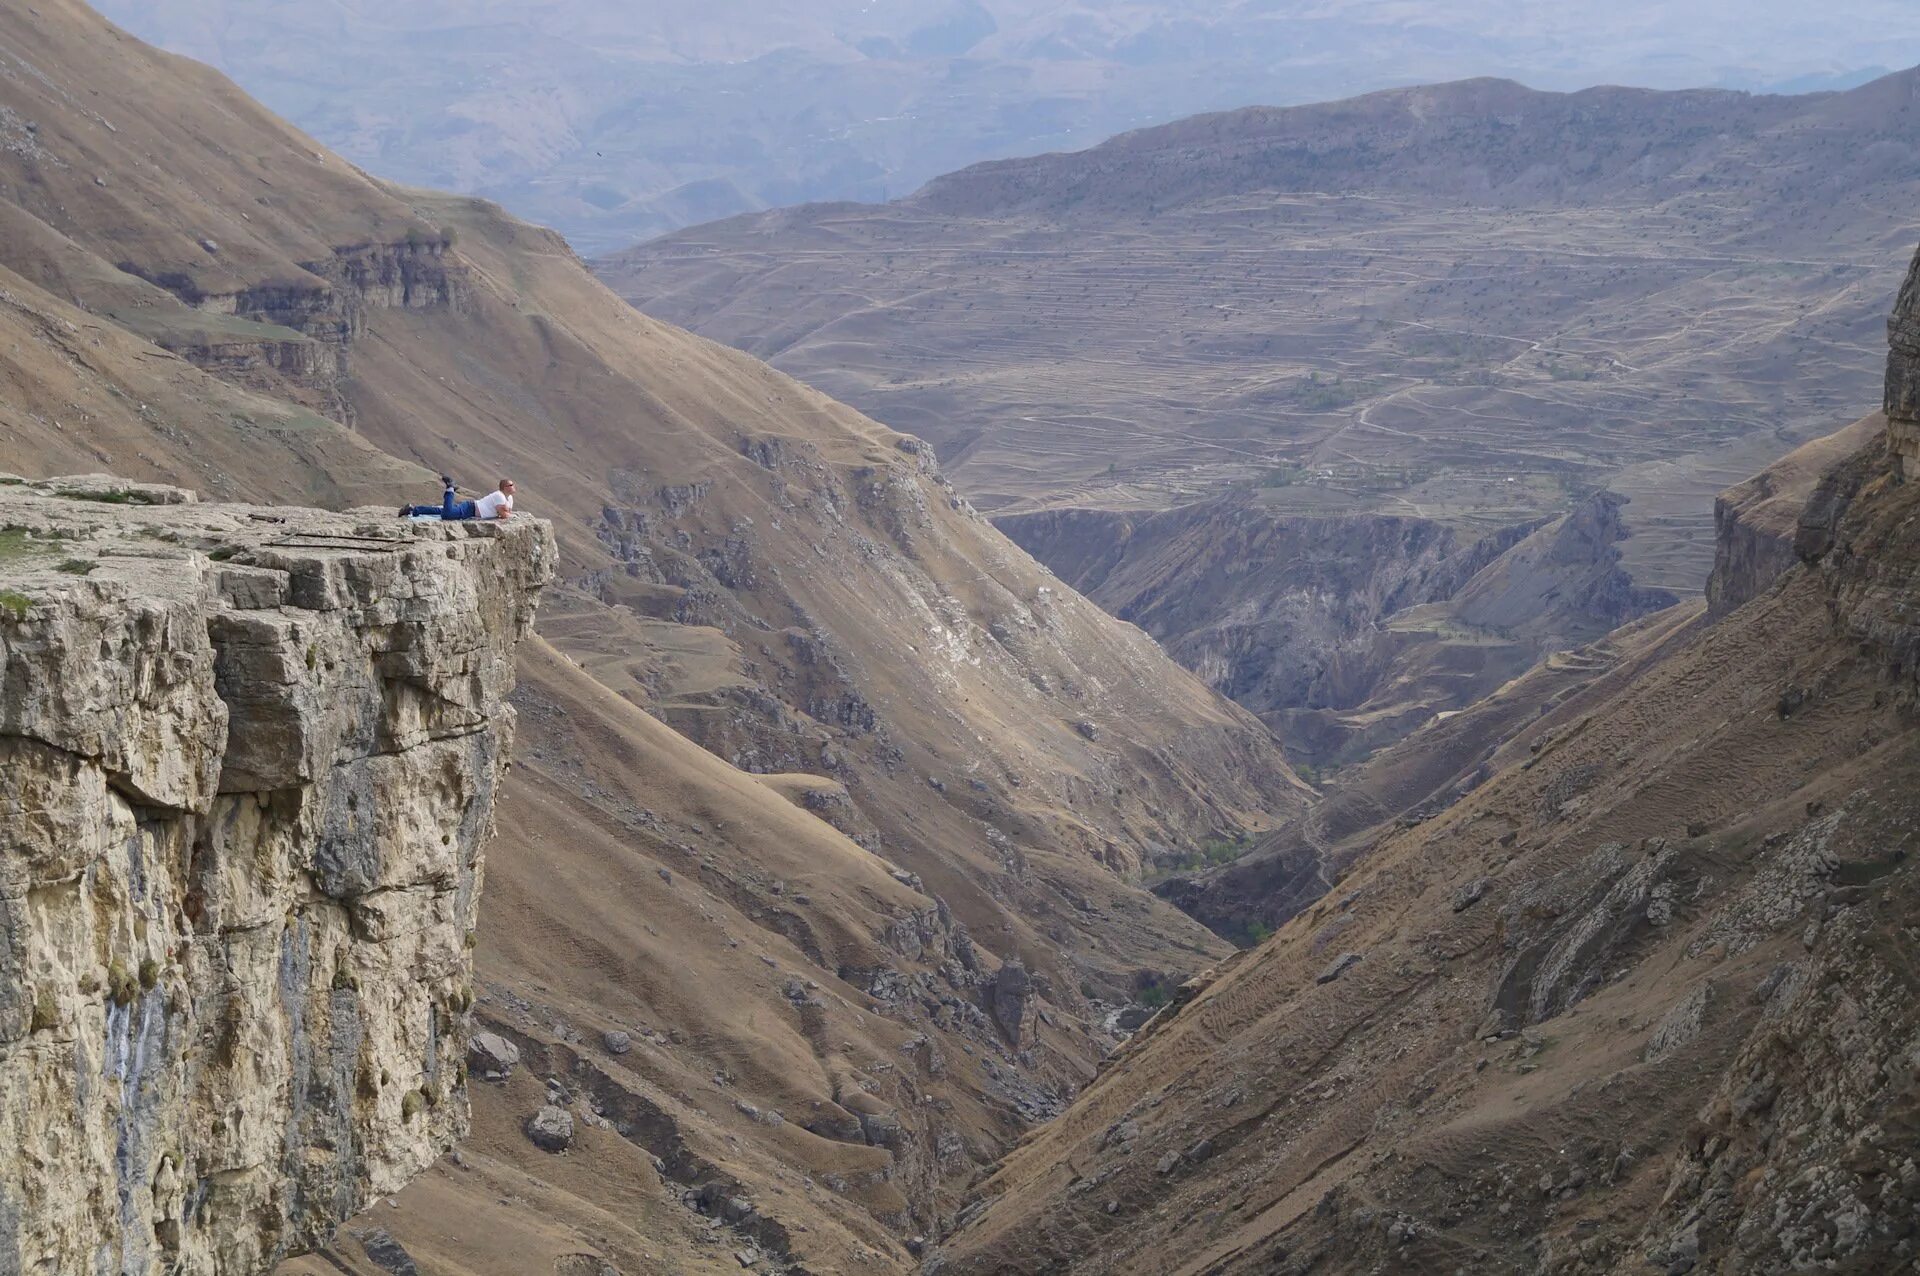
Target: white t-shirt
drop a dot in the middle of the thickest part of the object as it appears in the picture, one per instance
(489, 506)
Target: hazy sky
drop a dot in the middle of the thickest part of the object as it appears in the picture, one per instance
(615, 119)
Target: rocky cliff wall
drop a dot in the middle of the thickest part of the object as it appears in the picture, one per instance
(248, 759)
(1903, 374)
(1756, 521)
(294, 336)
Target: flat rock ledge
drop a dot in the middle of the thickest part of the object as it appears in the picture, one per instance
(248, 758)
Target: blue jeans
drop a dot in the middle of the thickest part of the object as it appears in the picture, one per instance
(448, 508)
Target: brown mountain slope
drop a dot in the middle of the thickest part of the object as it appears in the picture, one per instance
(1644, 997)
(194, 292)
(689, 484)
(1486, 138)
(774, 982)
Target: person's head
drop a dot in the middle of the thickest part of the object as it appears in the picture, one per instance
(506, 486)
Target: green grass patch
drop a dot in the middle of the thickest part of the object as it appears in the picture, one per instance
(300, 420)
(15, 543)
(75, 566)
(15, 604)
(1566, 370)
(122, 986)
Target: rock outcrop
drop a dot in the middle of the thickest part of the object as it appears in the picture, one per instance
(248, 759)
(1903, 375)
(1756, 521)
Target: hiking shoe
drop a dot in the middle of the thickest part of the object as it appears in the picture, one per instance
(406, 511)
(446, 480)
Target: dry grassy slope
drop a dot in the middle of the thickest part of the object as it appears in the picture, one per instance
(785, 581)
(685, 479)
(1647, 997)
(79, 392)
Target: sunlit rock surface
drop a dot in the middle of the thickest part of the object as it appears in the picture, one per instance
(248, 758)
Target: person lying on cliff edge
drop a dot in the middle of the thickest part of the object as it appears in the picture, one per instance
(495, 504)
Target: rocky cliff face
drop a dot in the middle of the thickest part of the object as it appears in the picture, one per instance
(293, 336)
(1903, 375)
(248, 759)
(1285, 614)
(1756, 521)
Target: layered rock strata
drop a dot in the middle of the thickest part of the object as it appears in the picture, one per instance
(248, 759)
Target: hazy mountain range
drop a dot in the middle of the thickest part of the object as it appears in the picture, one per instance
(613, 122)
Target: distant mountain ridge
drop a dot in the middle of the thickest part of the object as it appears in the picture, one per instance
(1482, 140)
(613, 121)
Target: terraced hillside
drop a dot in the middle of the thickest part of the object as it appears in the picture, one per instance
(1474, 302)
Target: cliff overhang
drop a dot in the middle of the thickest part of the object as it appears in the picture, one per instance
(248, 758)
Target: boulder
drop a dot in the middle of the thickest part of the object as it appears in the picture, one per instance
(491, 1056)
(225, 733)
(386, 1253)
(551, 1129)
(1470, 894)
(881, 1129)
